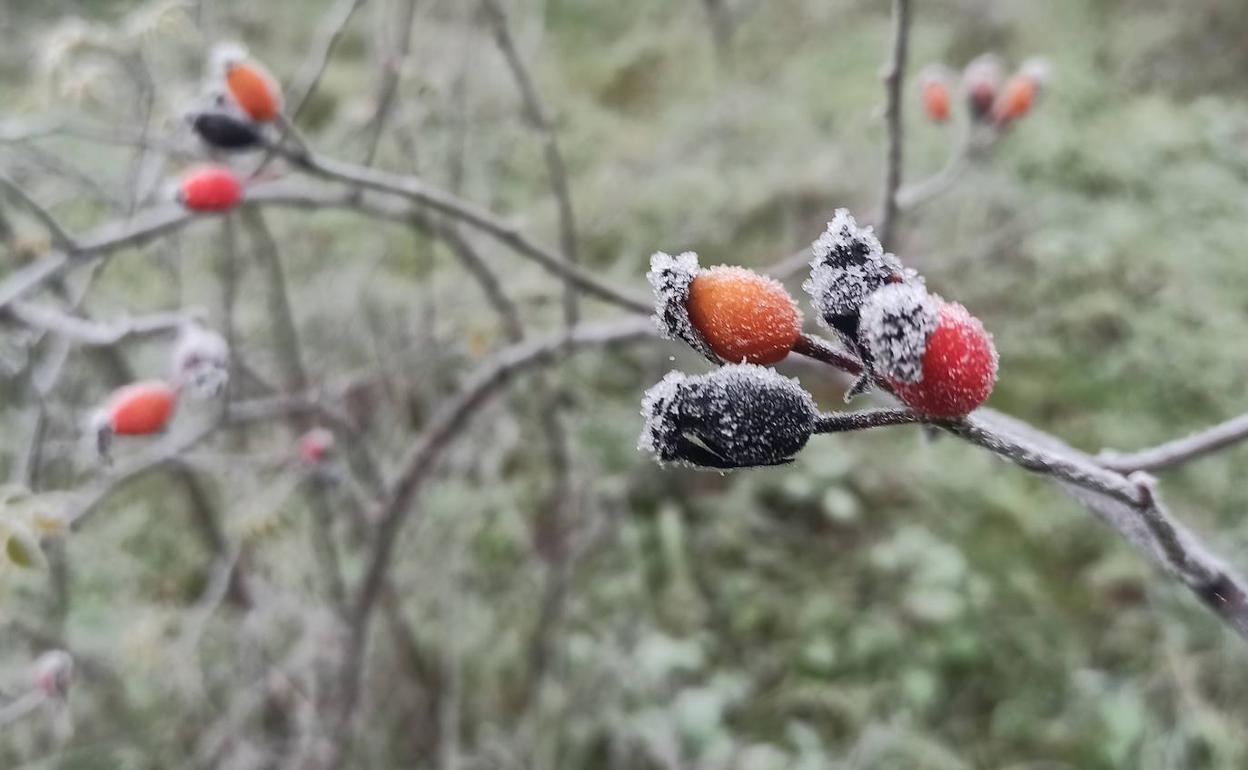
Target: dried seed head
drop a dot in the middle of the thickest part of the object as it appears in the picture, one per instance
(849, 265)
(671, 277)
(738, 416)
(896, 322)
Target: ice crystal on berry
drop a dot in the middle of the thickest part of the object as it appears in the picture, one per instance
(849, 264)
(896, 322)
(670, 277)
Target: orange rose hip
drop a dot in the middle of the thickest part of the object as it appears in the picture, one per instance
(254, 90)
(743, 316)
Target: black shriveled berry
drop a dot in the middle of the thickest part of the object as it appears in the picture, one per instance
(738, 416)
(226, 132)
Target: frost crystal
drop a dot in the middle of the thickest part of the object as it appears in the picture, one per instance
(737, 416)
(896, 323)
(670, 277)
(849, 265)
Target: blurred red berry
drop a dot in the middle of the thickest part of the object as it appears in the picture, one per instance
(210, 188)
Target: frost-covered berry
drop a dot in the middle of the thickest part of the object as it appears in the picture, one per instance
(934, 92)
(849, 265)
(200, 361)
(210, 188)
(981, 80)
(729, 314)
(935, 355)
(737, 416)
(896, 322)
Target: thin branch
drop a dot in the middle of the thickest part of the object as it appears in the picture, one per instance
(446, 425)
(331, 29)
(821, 350)
(22, 705)
(842, 422)
(894, 81)
(60, 237)
(556, 169)
(289, 353)
(392, 70)
(418, 191)
(913, 195)
(1179, 451)
(95, 333)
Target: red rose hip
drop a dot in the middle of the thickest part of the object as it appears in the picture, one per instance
(210, 188)
(935, 355)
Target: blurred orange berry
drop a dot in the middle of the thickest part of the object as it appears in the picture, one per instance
(141, 408)
(255, 91)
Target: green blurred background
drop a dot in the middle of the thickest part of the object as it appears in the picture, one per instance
(885, 602)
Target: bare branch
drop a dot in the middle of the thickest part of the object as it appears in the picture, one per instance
(418, 191)
(842, 422)
(1179, 451)
(556, 169)
(913, 195)
(60, 238)
(443, 428)
(391, 71)
(332, 27)
(95, 333)
(894, 81)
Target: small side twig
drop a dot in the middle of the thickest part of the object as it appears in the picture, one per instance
(556, 169)
(894, 82)
(60, 237)
(1174, 453)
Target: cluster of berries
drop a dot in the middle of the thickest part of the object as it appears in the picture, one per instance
(200, 365)
(989, 97)
(932, 355)
(243, 100)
